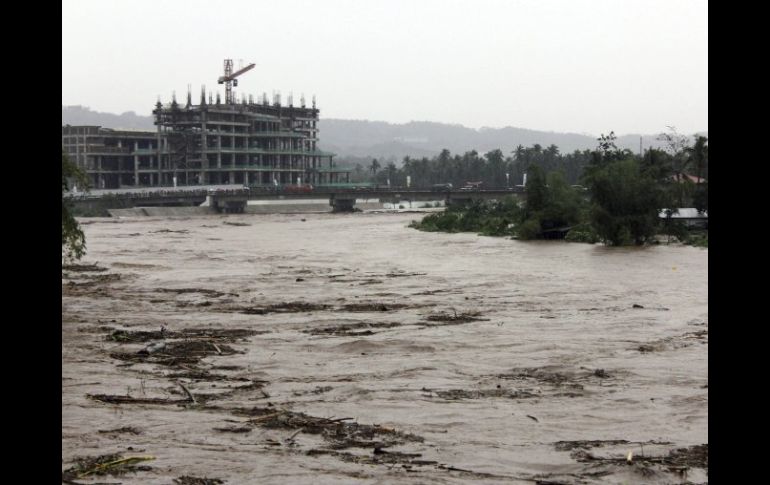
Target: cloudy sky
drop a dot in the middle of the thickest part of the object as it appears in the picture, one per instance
(584, 66)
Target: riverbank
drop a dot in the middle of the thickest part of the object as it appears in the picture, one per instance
(505, 220)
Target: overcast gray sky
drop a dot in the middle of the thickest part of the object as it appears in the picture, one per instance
(585, 66)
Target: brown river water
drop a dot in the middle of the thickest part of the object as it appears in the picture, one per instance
(421, 357)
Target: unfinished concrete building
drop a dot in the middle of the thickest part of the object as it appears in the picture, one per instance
(112, 158)
(251, 143)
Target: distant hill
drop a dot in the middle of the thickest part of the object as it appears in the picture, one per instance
(81, 115)
(422, 138)
(378, 139)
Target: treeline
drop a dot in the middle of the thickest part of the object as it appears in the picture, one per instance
(494, 168)
(620, 204)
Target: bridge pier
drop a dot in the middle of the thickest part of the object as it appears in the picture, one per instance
(340, 204)
(228, 206)
(458, 201)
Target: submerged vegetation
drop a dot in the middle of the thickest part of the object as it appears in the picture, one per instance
(619, 202)
(552, 207)
(73, 241)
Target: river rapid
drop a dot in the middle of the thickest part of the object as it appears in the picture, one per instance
(370, 352)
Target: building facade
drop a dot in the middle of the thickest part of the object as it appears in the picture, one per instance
(254, 144)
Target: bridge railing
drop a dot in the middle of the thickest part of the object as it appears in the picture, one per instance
(158, 194)
(292, 190)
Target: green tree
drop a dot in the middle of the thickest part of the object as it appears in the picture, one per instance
(701, 197)
(495, 168)
(626, 203)
(563, 205)
(699, 156)
(73, 241)
(537, 192)
(679, 150)
(551, 203)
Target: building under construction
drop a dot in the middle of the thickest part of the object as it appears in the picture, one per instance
(254, 143)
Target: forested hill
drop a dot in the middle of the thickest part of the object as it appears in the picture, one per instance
(81, 115)
(362, 138)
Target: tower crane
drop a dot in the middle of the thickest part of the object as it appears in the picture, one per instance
(229, 79)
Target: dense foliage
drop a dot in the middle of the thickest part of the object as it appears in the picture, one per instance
(73, 240)
(625, 191)
(552, 204)
(490, 168)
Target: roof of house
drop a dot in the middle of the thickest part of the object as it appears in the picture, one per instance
(685, 213)
(686, 176)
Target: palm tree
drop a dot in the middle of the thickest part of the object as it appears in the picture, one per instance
(374, 167)
(699, 154)
(678, 147)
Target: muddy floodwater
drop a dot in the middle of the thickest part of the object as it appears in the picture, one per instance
(321, 348)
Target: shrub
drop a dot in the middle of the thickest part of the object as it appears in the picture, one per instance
(530, 229)
(583, 234)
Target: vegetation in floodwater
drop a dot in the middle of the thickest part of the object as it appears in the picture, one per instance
(73, 241)
(552, 205)
(618, 203)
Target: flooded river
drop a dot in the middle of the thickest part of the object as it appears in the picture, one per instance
(320, 348)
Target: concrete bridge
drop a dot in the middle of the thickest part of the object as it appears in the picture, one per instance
(230, 199)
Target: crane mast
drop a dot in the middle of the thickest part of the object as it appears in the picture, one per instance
(229, 79)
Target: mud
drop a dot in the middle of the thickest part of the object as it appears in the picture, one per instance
(433, 358)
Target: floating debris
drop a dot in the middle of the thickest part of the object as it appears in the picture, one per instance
(224, 334)
(285, 307)
(352, 329)
(113, 464)
(234, 429)
(337, 432)
(207, 292)
(188, 480)
(371, 307)
(125, 429)
(586, 444)
(83, 268)
(450, 318)
(681, 458)
(176, 353)
(181, 231)
(457, 394)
